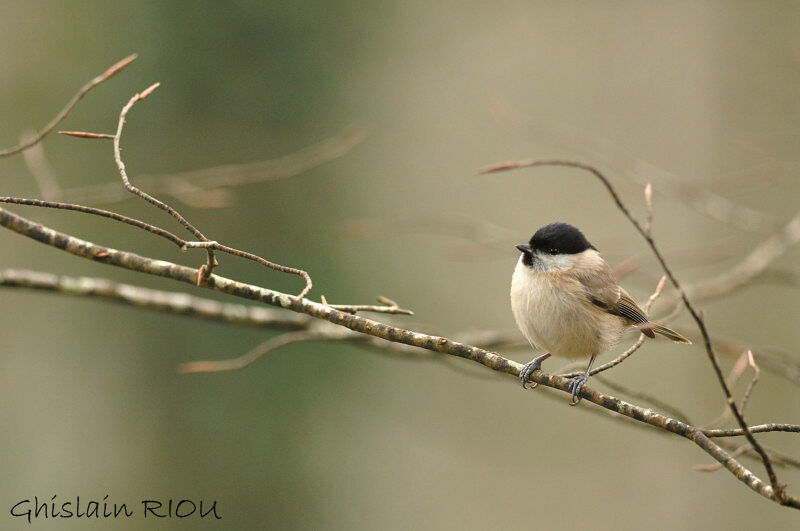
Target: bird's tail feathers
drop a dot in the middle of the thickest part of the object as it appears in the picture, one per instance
(670, 334)
(650, 329)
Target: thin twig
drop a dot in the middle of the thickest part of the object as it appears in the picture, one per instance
(745, 360)
(96, 212)
(245, 360)
(761, 428)
(108, 74)
(212, 262)
(204, 243)
(209, 246)
(183, 244)
(746, 271)
(778, 458)
(388, 306)
(756, 375)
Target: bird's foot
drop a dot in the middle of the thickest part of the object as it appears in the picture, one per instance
(534, 365)
(575, 387)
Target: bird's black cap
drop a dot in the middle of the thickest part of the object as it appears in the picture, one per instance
(560, 238)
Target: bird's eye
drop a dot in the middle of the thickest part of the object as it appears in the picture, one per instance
(552, 250)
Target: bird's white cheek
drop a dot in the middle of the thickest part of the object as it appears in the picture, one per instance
(550, 262)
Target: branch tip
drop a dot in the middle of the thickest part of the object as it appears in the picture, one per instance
(149, 90)
(495, 168)
(116, 68)
(86, 134)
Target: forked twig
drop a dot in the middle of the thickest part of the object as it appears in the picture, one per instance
(204, 243)
(212, 262)
(108, 74)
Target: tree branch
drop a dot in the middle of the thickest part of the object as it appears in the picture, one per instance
(156, 300)
(387, 332)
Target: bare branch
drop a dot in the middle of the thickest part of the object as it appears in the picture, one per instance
(761, 428)
(389, 306)
(212, 262)
(84, 134)
(756, 374)
(713, 467)
(105, 76)
(206, 271)
(96, 212)
(204, 243)
(387, 332)
(157, 300)
(183, 244)
(245, 360)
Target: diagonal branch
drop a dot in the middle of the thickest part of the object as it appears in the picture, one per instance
(388, 332)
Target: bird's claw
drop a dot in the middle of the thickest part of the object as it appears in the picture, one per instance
(575, 387)
(529, 368)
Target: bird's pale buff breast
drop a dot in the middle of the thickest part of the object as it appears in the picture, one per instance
(559, 320)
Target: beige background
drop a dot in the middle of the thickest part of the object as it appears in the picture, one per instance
(333, 436)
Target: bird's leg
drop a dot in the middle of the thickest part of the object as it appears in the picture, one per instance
(534, 365)
(578, 382)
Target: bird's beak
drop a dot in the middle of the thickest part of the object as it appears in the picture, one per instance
(524, 247)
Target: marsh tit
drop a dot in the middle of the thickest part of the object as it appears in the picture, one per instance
(567, 302)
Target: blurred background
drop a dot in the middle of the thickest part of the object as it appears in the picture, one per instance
(324, 435)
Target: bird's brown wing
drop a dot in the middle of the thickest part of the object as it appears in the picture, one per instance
(599, 284)
(602, 290)
(629, 309)
(626, 308)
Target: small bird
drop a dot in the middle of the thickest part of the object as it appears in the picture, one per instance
(567, 302)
